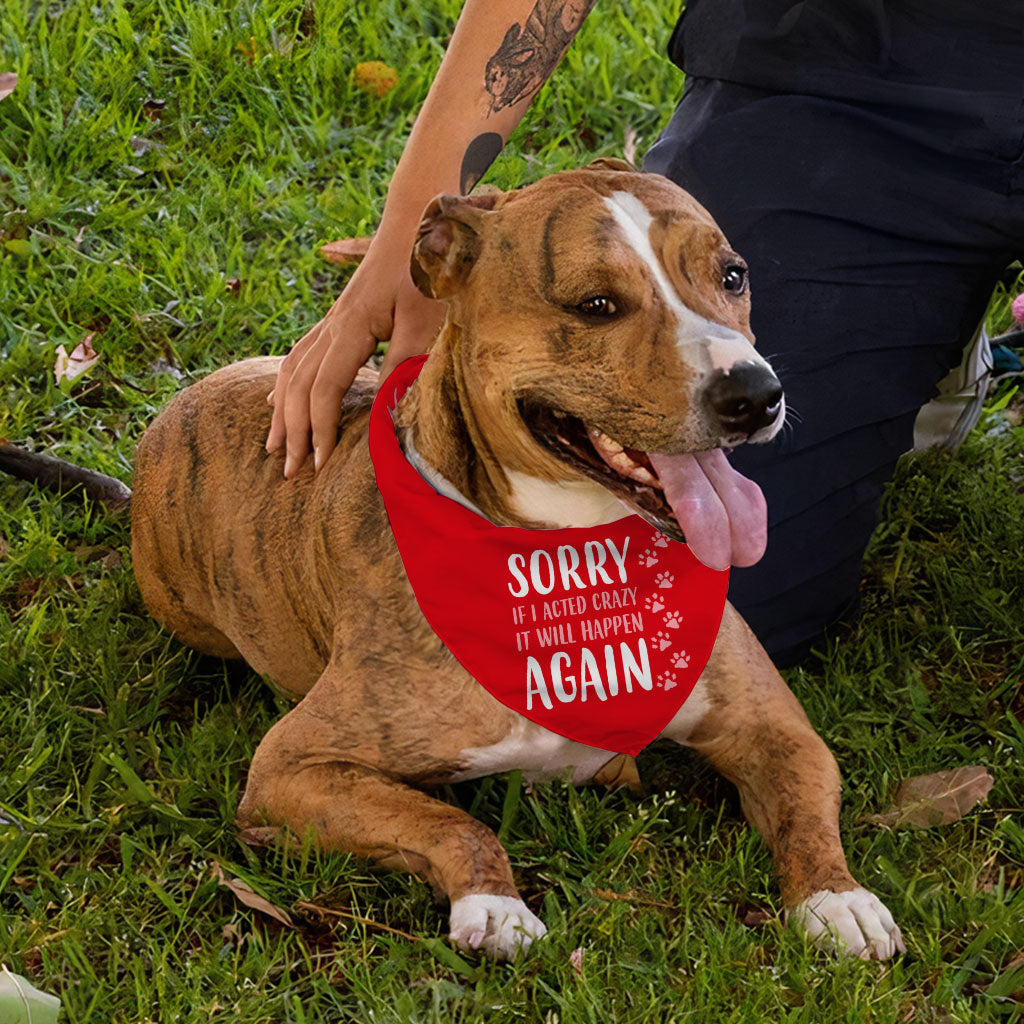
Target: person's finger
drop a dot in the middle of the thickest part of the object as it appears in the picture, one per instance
(337, 371)
(276, 434)
(296, 407)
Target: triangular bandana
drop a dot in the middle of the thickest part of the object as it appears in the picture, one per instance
(596, 633)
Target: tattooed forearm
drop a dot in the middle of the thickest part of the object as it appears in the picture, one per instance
(529, 52)
(480, 154)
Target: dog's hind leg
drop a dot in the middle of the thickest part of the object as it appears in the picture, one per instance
(353, 807)
(750, 727)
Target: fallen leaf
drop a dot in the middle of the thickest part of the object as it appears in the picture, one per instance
(756, 918)
(112, 560)
(22, 1003)
(629, 150)
(259, 835)
(375, 76)
(249, 50)
(232, 285)
(8, 81)
(68, 367)
(346, 250)
(244, 894)
(576, 961)
(936, 799)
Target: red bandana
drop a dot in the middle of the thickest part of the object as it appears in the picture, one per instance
(597, 633)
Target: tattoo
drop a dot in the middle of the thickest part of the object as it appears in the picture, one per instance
(480, 154)
(529, 52)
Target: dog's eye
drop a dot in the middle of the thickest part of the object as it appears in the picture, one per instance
(597, 305)
(734, 278)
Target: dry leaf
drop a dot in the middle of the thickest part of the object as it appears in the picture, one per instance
(576, 961)
(112, 560)
(244, 894)
(68, 367)
(755, 917)
(629, 150)
(375, 76)
(249, 50)
(936, 799)
(346, 250)
(8, 80)
(259, 835)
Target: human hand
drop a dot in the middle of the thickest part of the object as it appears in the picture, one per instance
(380, 303)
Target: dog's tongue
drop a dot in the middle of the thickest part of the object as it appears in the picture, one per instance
(722, 514)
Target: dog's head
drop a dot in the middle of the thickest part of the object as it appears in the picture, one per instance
(600, 325)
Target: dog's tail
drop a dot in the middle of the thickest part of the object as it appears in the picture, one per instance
(62, 477)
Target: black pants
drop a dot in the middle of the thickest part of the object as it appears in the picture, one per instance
(874, 236)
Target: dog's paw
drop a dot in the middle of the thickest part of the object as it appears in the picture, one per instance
(501, 926)
(856, 922)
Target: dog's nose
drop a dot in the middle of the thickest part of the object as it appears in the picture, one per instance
(745, 399)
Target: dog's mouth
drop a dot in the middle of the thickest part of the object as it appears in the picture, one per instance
(695, 497)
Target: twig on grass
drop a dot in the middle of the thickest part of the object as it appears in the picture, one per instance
(628, 897)
(349, 916)
(60, 477)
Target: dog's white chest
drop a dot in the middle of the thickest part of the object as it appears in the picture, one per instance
(539, 753)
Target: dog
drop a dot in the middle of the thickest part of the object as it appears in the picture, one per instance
(598, 332)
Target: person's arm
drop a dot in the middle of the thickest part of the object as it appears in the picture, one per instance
(499, 56)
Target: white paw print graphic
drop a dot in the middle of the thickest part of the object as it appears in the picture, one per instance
(672, 620)
(680, 659)
(660, 540)
(664, 580)
(654, 604)
(663, 640)
(648, 558)
(667, 680)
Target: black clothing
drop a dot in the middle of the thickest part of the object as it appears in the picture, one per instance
(874, 232)
(910, 52)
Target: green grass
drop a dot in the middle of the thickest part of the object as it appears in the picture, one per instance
(155, 150)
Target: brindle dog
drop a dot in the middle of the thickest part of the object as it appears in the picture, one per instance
(302, 577)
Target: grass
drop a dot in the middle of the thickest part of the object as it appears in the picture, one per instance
(167, 168)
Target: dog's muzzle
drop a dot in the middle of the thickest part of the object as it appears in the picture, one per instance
(745, 399)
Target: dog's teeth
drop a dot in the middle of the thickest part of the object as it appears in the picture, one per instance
(615, 455)
(604, 444)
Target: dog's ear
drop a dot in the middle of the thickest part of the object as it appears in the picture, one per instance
(449, 242)
(610, 163)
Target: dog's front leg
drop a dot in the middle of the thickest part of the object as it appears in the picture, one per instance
(745, 720)
(300, 779)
